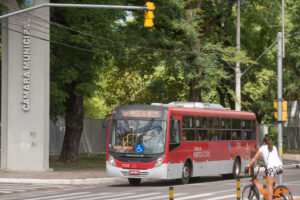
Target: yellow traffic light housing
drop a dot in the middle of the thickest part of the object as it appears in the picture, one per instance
(284, 111)
(284, 116)
(149, 16)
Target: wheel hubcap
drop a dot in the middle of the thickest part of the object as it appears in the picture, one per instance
(186, 171)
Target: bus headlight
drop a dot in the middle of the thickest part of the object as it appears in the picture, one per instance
(159, 161)
(111, 160)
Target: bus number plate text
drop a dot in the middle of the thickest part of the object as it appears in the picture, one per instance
(134, 172)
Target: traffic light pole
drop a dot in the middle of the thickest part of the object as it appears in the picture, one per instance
(74, 6)
(279, 96)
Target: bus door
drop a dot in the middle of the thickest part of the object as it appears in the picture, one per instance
(174, 139)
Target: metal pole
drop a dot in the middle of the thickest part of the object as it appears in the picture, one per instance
(237, 66)
(279, 97)
(283, 49)
(74, 6)
(265, 185)
(238, 188)
(171, 193)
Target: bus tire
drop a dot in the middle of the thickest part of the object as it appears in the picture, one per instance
(236, 168)
(134, 181)
(186, 174)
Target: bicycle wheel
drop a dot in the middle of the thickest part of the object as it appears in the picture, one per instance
(282, 192)
(250, 192)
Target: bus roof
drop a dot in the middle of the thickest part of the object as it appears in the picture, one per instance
(194, 108)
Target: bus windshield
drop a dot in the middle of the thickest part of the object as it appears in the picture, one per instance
(138, 136)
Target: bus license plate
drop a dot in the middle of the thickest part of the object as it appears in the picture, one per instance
(134, 172)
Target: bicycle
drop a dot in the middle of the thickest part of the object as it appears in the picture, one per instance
(252, 191)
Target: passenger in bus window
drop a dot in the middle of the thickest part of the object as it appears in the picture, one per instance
(234, 135)
(204, 135)
(244, 135)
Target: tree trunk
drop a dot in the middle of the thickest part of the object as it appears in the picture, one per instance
(74, 127)
(195, 92)
(195, 89)
(221, 96)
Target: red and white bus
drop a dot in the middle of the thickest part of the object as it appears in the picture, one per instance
(179, 140)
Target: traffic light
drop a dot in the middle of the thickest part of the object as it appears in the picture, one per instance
(149, 16)
(284, 111)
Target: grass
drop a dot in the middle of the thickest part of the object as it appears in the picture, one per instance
(85, 161)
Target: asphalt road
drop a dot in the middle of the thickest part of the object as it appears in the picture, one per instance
(205, 188)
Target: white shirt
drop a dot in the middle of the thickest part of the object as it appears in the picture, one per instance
(271, 158)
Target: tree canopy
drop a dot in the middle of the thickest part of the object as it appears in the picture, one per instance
(102, 58)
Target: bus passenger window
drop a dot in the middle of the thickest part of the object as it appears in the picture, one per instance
(246, 129)
(188, 128)
(225, 135)
(213, 132)
(188, 135)
(214, 135)
(236, 135)
(201, 135)
(201, 122)
(225, 129)
(236, 129)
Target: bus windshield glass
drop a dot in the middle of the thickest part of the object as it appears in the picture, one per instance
(138, 136)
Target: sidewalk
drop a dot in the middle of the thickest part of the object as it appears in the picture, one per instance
(89, 176)
(60, 177)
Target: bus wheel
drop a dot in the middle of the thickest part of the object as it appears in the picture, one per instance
(186, 174)
(134, 181)
(236, 168)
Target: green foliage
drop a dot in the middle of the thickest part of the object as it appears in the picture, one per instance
(273, 134)
(199, 36)
(73, 69)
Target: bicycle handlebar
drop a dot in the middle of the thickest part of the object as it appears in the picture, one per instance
(249, 172)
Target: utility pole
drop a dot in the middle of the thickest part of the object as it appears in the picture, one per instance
(279, 96)
(282, 13)
(237, 66)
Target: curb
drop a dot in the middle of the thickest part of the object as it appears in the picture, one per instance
(90, 181)
(291, 166)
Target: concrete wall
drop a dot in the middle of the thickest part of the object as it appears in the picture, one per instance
(25, 90)
(93, 138)
(291, 128)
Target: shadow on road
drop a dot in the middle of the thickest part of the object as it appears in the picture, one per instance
(160, 183)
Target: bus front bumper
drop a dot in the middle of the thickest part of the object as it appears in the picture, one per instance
(159, 172)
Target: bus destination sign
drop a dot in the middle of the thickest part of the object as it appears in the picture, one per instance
(141, 113)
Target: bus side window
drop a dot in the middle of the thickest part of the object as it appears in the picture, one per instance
(246, 129)
(236, 129)
(174, 136)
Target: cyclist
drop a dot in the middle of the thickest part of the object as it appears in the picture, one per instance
(272, 162)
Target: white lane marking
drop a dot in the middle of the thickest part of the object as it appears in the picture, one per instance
(136, 196)
(165, 196)
(109, 196)
(223, 191)
(292, 182)
(5, 192)
(222, 197)
(58, 196)
(84, 196)
(195, 196)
